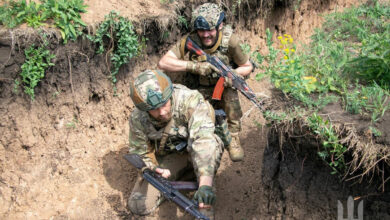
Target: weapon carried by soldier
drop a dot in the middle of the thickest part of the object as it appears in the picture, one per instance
(225, 71)
(167, 188)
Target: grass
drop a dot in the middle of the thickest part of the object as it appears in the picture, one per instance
(348, 61)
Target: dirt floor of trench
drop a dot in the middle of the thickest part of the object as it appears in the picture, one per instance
(61, 156)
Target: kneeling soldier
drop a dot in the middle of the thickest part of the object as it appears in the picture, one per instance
(166, 115)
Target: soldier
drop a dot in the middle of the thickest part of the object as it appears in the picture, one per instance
(216, 39)
(167, 114)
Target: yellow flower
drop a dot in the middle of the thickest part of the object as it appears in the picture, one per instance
(311, 79)
(292, 50)
(285, 35)
(280, 37)
(291, 40)
(283, 42)
(292, 61)
(281, 46)
(286, 50)
(285, 57)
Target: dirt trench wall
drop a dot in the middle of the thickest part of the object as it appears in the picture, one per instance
(54, 149)
(298, 184)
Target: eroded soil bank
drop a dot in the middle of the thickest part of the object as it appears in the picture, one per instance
(61, 155)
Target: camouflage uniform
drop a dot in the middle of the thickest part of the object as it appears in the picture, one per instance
(228, 49)
(192, 121)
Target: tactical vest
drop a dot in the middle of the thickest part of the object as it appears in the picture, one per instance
(165, 139)
(220, 49)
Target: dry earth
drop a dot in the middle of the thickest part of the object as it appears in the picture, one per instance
(61, 156)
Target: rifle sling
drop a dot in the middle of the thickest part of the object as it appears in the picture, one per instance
(164, 137)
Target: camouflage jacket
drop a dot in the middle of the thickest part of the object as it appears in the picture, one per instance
(193, 121)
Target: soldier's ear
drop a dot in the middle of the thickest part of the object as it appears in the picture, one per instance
(220, 26)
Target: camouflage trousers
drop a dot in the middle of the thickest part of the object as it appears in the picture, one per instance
(230, 103)
(144, 198)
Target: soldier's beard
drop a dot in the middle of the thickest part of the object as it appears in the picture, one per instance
(209, 41)
(164, 118)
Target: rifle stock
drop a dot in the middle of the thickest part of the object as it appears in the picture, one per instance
(226, 71)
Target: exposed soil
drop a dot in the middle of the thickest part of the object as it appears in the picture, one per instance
(61, 155)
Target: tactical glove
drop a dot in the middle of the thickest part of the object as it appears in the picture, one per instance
(201, 68)
(205, 194)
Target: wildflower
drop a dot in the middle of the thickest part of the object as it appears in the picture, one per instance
(292, 61)
(291, 40)
(285, 57)
(292, 50)
(286, 50)
(311, 79)
(280, 37)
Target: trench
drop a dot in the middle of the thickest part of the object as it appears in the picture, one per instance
(61, 155)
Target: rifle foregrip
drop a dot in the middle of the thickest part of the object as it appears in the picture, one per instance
(218, 89)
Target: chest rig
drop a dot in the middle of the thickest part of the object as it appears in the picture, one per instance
(165, 137)
(220, 50)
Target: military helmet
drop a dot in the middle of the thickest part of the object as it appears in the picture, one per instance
(207, 17)
(150, 90)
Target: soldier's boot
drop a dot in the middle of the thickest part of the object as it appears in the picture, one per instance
(236, 152)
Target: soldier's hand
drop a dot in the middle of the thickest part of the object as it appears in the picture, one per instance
(201, 68)
(229, 81)
(205, 196)
(163, 172)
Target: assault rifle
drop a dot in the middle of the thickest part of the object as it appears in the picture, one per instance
(226, 71)
(169, 189)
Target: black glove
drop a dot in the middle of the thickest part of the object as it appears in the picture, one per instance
(206, 195)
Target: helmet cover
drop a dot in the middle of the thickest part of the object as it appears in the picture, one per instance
(150, 90)
(207, 17)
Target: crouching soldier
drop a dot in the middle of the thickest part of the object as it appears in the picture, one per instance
(216, 39)
(167, 114)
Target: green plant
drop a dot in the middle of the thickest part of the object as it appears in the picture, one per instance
(16, 86)
(245, 48)
(377, 101)
(355, 101)
(66, 16)
(182, 21)
(333, 151)
(64, 13)
(166, 1)
(375, 132)
(12, 13)
(122, 41)
(371, 99)
(364, 34)
(32, 15)
(273, 116)
(38, 59)
(286, 68)
(72, 124)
